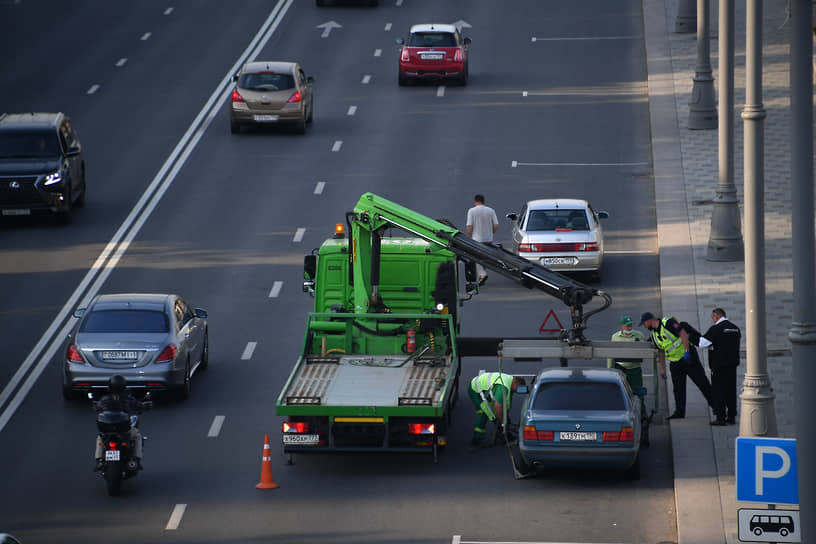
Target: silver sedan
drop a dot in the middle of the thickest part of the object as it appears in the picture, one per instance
(156, 341)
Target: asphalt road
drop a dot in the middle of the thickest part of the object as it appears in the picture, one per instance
(556, 105)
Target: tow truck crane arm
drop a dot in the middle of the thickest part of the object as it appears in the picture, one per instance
(373, 214)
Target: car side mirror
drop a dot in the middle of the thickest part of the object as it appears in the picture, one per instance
(400, 41)
(201, 314)
(603, 215)
(78, 312)
(467, 41)
(512, 216)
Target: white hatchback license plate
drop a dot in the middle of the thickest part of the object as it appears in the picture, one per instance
(577, 437)
(301, 439)
(120, 355)
(558, 260)
(112, 455)
(435, 56)
(266, 117)
(17, 212)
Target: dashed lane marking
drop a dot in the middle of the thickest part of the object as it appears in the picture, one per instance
(440, 91)
(215, 428)
(387, 27)
(168, 11)
(337, 145)
(585, 38)
(516, 164)
(248, 351)
(366, 79)
(93, 89)
(121, 62)
(276, 289)
(175, 517)
(146, 36)
(378, 52)
(299, 234)
(319, 187)
(352, 110)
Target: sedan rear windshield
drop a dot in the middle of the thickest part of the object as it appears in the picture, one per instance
(29, 145)
(266, 81)
(550, 220)
(579, 396)
(125, 321)
(432, 39)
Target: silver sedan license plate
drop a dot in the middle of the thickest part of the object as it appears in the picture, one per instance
(558, 260)
(577, 437)
(120, 355)
(301, 439)
(266, 117)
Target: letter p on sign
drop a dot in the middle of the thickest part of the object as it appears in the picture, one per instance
(766, 470)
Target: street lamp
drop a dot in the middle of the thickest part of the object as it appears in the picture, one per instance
(702, 111)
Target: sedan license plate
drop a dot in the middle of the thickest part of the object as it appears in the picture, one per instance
(432, 56)
(577, 437)
(266, 117)
(120, 355)
(301, 439)
(112, 455)
(558, 260)
(24, 211)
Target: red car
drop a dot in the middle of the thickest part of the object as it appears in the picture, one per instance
(434, 51)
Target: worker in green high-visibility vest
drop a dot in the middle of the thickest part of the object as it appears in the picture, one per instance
(491, 395)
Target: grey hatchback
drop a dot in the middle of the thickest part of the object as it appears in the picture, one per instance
(156, 341)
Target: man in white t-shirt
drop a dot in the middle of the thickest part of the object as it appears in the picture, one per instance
(481, 224)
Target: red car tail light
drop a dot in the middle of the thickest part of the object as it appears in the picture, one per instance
(294, 98)
(559, 247)
(458, 56)
(530, 433)
(167, 354)
(421, 428)
(236, 96)
(627, 434)
(611, 437)
(404, 55)
(295, 427)
(72, 354)
(529, 248)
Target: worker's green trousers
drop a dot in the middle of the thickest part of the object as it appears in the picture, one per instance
(480, 430)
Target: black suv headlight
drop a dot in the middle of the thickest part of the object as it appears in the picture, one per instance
(53, 178)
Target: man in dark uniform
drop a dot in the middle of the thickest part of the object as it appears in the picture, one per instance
(672, 340)
(723, 337)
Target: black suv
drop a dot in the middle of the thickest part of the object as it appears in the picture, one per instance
(41, 165)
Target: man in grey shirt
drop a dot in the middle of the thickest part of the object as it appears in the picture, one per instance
(481, 224)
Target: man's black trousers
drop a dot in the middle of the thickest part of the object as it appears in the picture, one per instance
(724, 393)
(694, 370)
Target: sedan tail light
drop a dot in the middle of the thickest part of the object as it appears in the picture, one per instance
(530, 433)
(559, 247)
(167, 354)
(626, 434)
(236, 96)
(422, 428)
(294, 98)
(404, 55)
(458, 56)
(295, 427)
(72, 354)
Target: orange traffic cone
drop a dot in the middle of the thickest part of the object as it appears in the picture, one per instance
(267, 481)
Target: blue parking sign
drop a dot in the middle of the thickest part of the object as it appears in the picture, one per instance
(766, 470)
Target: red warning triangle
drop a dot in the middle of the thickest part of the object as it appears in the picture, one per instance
(543, 325)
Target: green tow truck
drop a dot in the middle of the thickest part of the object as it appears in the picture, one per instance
(380, 366)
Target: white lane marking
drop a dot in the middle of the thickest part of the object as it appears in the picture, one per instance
(121, 61)
(457, 539)
(145, 36)
(586, 38)
(299, 234)
(248, 351)
(215, 428)
(366, 79)
(337, 145)
(387, 27)
(378, 52)
(440, 91)
(352, 110)
(276, 289)
(514, 164)
(319, 187)
(93, 89)
(168, 11)
(398, 3)
(524, 93)
(46, 347)
(175, 517)
(630, 251)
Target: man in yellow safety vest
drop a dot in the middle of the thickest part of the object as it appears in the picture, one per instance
(490, 393)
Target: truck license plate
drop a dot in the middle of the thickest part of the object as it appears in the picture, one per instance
(559, 260)
(301, 439)
(577, 437)
(112, 455)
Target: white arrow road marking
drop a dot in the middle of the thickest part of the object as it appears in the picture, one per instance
(327, 28)
(276, 289)
(215, 428)
(319, 187)
(175, 517)
(248, 351)
(299, 234)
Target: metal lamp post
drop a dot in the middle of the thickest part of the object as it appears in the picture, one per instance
(702, 111)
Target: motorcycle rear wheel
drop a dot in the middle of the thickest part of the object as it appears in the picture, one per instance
(113, 477)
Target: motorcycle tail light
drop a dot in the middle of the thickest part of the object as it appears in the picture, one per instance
(112, 445)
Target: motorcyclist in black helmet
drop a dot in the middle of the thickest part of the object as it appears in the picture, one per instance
(118, 399)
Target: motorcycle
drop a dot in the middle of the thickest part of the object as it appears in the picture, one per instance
(114, 433)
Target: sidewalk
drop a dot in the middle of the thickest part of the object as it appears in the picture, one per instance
(686, 176)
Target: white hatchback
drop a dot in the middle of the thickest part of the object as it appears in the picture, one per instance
(562, 234)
